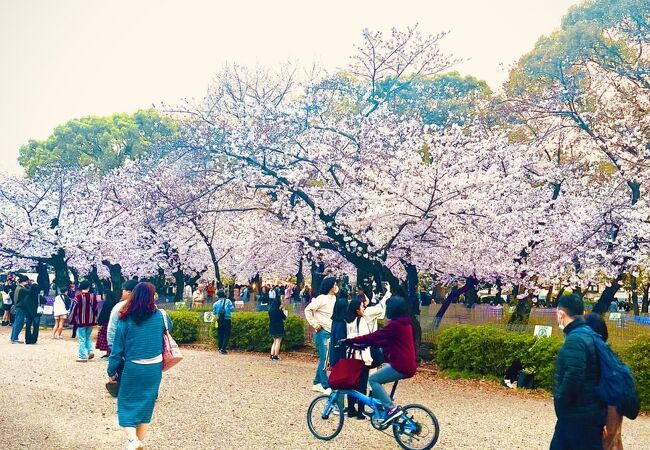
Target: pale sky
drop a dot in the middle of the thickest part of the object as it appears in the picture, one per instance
(65, 59)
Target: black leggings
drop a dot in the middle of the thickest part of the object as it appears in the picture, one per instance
(363, 387)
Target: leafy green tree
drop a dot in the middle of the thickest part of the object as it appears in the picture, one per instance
(103, 142)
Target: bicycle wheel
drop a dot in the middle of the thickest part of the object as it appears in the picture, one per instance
(321, 426)
(416, 429)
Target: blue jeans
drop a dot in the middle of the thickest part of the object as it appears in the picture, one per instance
(19, 321)
(85, 342)
(32, 325)
(384, 375)
(321, 339)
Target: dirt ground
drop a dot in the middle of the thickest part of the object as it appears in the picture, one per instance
(246, 401)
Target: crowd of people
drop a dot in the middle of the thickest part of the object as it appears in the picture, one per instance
(340, 319)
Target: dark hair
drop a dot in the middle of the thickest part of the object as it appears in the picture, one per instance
(221, 293)
(142, 304)
(596, 322)
(353, 307)
(129, 285)
(64, 289)
(85, 284)
(396, 307)
(107, 307)
(340, 309)
(571, 304)
(326, 285)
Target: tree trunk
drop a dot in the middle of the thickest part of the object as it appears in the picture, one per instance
(412, 289)
(61, 273)
(522, 310)
(94, 278)
(635, 295)
(75, 276)
(453, 295)
(43, 278)
(317, 270)
(644, 301)
(179, 278)
(499, 292)
(300, 278)
(471, 296)
(608, 296)
(115, 271)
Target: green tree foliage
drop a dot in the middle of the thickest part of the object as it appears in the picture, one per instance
(103, 142)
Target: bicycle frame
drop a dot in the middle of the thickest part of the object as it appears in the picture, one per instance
(364, 399)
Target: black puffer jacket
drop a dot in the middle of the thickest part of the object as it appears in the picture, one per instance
(577, 373)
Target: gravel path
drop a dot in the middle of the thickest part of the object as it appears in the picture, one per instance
(246, 401)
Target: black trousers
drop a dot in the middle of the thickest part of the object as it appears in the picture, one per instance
(570, 435)
(32, 327)
(363, 387)
(223, 333)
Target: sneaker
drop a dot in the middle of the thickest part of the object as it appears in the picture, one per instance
(392, 414)
(104, 357)
(135, 444)
(17, 342)
(91, 356)
(327, 391)
(318, 388)
(81, 360)
(275, 358)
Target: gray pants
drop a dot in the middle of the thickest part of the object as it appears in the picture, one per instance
(384, 375)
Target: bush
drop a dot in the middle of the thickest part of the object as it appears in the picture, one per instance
(250, 331)
(488, 351)
(186, 326)
(637, 355)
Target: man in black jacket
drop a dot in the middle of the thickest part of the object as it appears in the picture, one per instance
(580, 414)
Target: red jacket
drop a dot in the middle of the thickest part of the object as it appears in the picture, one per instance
(396, 339)
(84, 310)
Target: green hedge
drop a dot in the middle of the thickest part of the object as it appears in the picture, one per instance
(250, 331)
(186, 326)
(637, 355)
(489, 350)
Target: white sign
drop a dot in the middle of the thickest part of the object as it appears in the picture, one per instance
(614, 316)
(543, 331)
(208, 317)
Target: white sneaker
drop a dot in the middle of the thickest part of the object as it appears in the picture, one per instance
(135, 444)
(327, 391)
(317, 387)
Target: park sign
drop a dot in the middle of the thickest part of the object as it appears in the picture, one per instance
(208, 317)
(543, 331)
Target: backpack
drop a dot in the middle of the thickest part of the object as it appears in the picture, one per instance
(617, 386)
(222, 312)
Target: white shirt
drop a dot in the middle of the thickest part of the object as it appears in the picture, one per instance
(374, 313)
(319, 311)
(360, 329)
(112, 322)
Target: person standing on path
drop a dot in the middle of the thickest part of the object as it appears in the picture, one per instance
(581, 416)
(319, 315)
(33, 309)
(614, 425)
(6, 305)
(102, 321)
(84, 316)
(20, 294)
(139, 343)
(127, 288)
(358, 326)
(223, 309)
(339, 327)
(276, 327)
(60, 313)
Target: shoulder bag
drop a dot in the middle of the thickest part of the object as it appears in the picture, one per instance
(171, 354)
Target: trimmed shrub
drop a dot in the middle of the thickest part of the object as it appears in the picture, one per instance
(250, 331)
(637, 355)
(488, 351)
(186, 326)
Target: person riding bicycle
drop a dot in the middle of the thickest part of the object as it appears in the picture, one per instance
(396, 340)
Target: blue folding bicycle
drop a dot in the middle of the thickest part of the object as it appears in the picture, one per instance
(416, 429)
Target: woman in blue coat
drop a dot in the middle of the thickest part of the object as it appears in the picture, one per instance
(139, 342)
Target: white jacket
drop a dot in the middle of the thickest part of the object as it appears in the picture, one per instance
(359, 327)
(374, 313)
